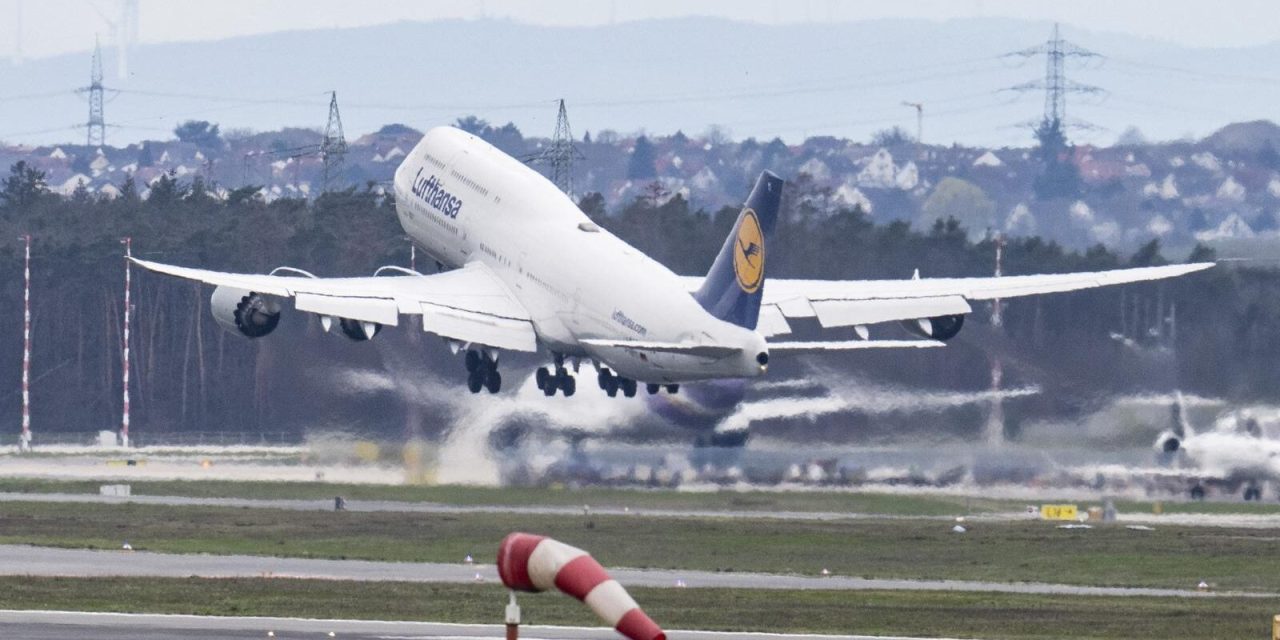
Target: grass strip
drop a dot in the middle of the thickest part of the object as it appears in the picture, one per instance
(1031, 551)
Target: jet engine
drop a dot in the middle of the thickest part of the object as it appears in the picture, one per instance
(1168, 447)
(249, 314)
(941, 328)
(1168, 442)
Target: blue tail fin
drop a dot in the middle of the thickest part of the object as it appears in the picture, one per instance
(735, 285)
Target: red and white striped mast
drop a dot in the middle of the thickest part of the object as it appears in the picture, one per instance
(128, 256)
(24, 441)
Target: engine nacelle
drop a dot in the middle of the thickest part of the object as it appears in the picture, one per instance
(1168, 443)
(941, 328)
(246, 313)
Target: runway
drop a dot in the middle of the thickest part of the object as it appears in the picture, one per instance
(435, 507)
(68, 625)
(1242, 520)
(44, 561)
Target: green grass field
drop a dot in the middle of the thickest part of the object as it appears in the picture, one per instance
(926, 613)
(1174, 557)
(868, 502)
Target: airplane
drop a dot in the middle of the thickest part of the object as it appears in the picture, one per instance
(1234, 453)
(524, 270)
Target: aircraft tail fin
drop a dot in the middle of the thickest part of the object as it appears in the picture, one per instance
(734, 286)
(1181, 426)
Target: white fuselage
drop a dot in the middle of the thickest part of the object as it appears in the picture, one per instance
(1233, 454)
(462, 200)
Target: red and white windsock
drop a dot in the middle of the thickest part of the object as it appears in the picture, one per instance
(537, 563)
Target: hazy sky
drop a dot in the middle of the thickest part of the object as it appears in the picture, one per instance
(51, 27)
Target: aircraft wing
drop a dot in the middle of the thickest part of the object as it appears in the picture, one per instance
(842, 303)
(470, 304)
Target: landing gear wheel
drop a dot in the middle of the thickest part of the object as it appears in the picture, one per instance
(628, 387)
(474, 381)
(472, 360)
(611, 387)
(673, 389)
(1197, 492)
(603, 378)
(493, 381)
(652, 388)
(542, 376)
(1252, 493)
(568, 385)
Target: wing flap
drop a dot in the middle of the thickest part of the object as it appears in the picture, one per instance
(844, 313)
(851, 345)
(380, 310)
(772, 321)
(479, 328)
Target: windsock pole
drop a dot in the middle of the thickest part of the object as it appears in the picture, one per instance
(124, 424)
(513, 618)
(24, 441)
(537, 563)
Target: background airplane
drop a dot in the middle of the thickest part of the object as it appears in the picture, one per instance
(1235, 454)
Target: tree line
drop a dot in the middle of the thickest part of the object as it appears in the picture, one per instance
(189, 375)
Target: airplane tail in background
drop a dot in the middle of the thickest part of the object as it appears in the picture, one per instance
(734, 287)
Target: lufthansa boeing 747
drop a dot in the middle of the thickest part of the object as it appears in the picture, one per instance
(530, 272)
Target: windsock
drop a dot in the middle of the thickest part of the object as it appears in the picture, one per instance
(536, 563)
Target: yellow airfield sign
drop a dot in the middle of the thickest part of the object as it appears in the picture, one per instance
(1058, 511)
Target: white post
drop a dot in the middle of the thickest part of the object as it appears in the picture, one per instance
(513, 618)
(24, 441)
(997, 317)
(124, 425)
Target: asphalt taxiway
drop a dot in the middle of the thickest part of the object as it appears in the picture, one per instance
(1241, 520)
(70, 625)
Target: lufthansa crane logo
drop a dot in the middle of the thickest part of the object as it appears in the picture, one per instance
(748, 255)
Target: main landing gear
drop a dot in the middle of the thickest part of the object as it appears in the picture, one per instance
(611, 384)
(561, 380)
(1253, 492)
(482, 372)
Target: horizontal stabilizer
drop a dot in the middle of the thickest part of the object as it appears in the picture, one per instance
(850, 345)
(704, 350)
